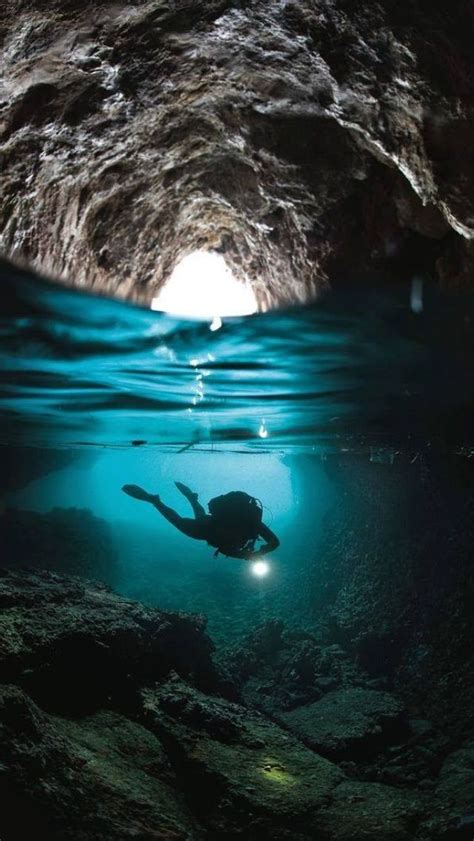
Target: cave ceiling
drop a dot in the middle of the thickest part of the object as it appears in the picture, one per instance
(310, 143)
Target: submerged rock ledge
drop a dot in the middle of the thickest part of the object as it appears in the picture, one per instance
(302, 140)
(116, 724)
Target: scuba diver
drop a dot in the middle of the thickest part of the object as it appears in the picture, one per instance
(233, 525)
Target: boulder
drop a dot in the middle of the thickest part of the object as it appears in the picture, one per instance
(456, 779)
(114, 726)
(245, 776)
(360, 811)
(75, 647)
(102, 777)
(348, 723)
(453, 817)
(278, 668)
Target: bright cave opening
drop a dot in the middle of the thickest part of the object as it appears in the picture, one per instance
(202, 286)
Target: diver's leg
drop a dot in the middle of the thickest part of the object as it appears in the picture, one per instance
(136, 492)
(192, 528)
(192, 499)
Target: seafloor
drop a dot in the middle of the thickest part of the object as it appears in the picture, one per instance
(119, 722)
(343, 710)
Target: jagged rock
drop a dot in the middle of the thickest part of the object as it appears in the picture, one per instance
(454, 812)
(360, 811)
(287, 136)
(102, 777)
(348, 723)
(74, 646)
(123, 734)
(394, 580)
(245, 776)
(67, 540)
(278, 669)
(456, 779)
(414, 761)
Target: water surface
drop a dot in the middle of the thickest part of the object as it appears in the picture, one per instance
(359, 369)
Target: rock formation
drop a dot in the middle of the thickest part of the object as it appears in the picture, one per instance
(393, 583)
(349, 721)
(305, 141)
(116, 724)
(22, 465)
(70, 540)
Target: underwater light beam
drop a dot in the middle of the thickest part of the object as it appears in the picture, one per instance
(260, 569)
(202, 286)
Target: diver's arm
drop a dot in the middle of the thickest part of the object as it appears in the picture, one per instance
(271, 539)
(271, 544)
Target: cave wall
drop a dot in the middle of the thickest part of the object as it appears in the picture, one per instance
(22, 465)
(68, 540)
(305, 141)
(391, 578)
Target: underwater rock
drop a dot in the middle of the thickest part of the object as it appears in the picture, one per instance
(455, 794)
(201, 768)
(76, 647)
(22, 465)
(64, 540)
(115, 724)
(102, 776)
(460, 829)
(348, 723)
(301, 140)
(456, 779)
(370, 810)
(244, 775)
(278, 668)
(414, 761)
(394, 582)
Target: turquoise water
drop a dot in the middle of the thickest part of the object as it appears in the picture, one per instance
(337, 417)
(360, 369)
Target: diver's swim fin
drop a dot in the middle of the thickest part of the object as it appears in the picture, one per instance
(187, 492)
(136, 492)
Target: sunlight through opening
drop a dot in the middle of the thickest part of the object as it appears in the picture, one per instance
(202, 286)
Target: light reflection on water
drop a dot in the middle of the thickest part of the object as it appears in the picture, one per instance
(358, 370)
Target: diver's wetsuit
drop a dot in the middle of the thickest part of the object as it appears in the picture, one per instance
(205, 527)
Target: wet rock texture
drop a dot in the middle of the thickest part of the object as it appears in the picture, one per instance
(70, 540)
(101, 777)
(347, 722)
(394, 579)
(305, 141)
(116, 724)
(245, 775)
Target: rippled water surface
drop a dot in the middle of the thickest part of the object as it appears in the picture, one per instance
(360, 369)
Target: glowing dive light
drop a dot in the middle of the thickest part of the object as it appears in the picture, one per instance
(260, 569)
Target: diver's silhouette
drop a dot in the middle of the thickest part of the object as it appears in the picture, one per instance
(233, 525)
